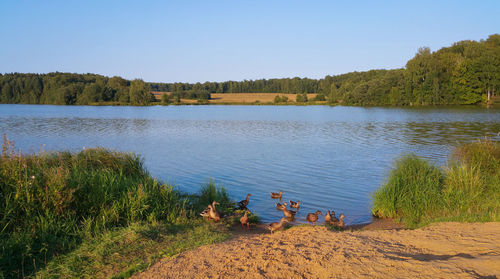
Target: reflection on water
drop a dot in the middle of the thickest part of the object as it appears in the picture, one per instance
(327, 157)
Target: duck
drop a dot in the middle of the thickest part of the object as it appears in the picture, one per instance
(313, 217)
(280, 206)
(340, 223)
(213, 213)
(245, 221)
(276, 195)
(243, 204)
(334, 218)
(205, 213)
(328, 217)
(295, 204)
(276, 226)
(288, 213)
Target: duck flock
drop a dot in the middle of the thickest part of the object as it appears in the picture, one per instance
(288, 214)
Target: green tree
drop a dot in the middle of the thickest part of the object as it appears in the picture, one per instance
(140, 93)
(165, 99)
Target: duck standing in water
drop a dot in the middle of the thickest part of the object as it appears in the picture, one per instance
(243, 204)
(313, 217)
(245, 221)
(288, 213)
(276, 226)
(295, 205)
(280, 206)
(276, 195)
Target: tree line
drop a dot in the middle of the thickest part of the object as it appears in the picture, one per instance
(72, 89)
(464, 73)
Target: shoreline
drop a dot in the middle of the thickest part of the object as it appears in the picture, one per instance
(444, 250)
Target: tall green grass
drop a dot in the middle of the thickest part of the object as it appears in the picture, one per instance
(210, 192)
(467, 189)
(52, 201)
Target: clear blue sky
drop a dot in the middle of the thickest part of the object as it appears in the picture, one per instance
(210, 40)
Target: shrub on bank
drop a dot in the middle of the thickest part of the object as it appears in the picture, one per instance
(468, 189)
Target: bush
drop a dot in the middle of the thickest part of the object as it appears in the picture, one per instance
(277, 99)
(301, 98)
(320, 97)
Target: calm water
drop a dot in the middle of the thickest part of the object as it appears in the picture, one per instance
(326, 157)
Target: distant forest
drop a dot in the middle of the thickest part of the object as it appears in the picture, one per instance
(464, 73)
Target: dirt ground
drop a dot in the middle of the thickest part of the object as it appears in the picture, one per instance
(443, 250)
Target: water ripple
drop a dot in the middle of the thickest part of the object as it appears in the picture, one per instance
(330, 158)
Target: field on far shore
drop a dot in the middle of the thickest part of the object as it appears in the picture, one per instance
(240, 98)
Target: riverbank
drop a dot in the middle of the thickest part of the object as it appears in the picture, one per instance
(443, 250)
(95, 213)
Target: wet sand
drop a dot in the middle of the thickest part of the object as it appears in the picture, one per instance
(443, 250)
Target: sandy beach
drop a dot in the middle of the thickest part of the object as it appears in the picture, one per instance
(442, 250)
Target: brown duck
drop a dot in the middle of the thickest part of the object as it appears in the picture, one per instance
(340, 223)
(205, 213)
(276, 195)
(244, 221)
(243, 204)
(328, 217)
(276, 226)
(313, 217)
(280, 206)
(288, 213)
(213, 213)
(334, 218)
(295, 204)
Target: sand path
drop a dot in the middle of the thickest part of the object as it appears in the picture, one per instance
(444, 250)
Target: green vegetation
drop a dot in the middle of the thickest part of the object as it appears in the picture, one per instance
(140, 93)
(71, 89)
(93, 213)
(280, 99)
(465, 73)
(165, 99)
(210, 192)
(121, 252)
(301, 98)
(468, 189)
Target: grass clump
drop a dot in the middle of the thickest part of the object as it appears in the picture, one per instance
(411, 192)
(94, 213)
(467, 189)
(210, 192)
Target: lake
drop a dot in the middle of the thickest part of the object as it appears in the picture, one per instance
(329, 158)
